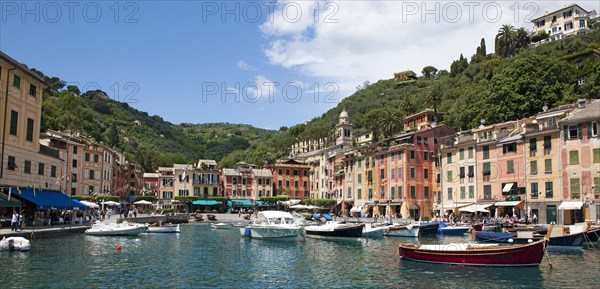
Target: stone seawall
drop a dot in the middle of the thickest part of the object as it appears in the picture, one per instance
(174, 219)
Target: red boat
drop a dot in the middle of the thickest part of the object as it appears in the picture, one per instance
(476, 254)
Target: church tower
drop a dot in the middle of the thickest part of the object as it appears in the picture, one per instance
(344, 130)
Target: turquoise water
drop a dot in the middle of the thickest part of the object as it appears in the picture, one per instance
(202, 257)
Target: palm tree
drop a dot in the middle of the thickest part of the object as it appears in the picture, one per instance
(389, 122)
(407, 107)
(435, 96)
(521, 37)
(505, 39)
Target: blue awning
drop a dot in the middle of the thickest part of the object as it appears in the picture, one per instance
(5, 202)
(206, 202)
(240, 203)
(49, 200)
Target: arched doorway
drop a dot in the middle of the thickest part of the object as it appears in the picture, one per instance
(414, 212)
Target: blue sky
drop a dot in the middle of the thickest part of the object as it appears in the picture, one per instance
(192, 61)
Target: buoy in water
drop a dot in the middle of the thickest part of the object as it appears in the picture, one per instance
(119, 248)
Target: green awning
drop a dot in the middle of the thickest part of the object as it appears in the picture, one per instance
(4, 202)
(206, 202)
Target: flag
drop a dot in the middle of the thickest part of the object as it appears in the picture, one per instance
(184, 176)
(19, 191)
(34, 190)
(9, 193)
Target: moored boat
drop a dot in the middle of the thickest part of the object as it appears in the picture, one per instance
(567, 236)
(374, 232)
(428, 228)
(403, 231)
(272, 225)
(163, 229)
(335, 230)
(476, 254)
(508, 237)
(14, 244)
(592, 235)
(220, 226)
(443, 229)
(122, 229)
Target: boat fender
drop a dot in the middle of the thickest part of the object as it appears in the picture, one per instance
(529, 241)
(247, 232)
(511, 241)
(119, 248)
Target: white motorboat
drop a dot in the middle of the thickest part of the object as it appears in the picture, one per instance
(163, 229)
(14, 244)
(220, 226)
(272, 225)
(403, 231)
(122, 229)
(374, 232)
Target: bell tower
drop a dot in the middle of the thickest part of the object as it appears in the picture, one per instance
(344, 130)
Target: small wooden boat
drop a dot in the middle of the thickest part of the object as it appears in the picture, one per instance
(403, 231)
(14, 244)
(569, 236)
(165, 228)
(335, 230)
(220, 226)
(476, 254)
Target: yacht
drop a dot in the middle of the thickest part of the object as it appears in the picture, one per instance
(272, 225)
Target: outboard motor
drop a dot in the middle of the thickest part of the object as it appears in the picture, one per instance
(11, 245)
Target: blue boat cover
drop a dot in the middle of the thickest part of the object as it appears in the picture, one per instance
(49, 200)
(327, 217)
(494, 237)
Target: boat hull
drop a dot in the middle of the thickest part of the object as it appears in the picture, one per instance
(220, 226)
(374, 233)
(348, 231)
(428, 229)
(15, 244)
(592, 235)
(573, 240)
(403, 231)
(269, 232)
(517, 255)
(163, 229)
(116, 231)
(455, 231)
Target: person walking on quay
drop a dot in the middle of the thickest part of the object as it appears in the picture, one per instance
(14, 222)
(135, 211)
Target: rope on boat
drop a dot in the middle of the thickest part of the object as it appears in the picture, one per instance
(587, 239)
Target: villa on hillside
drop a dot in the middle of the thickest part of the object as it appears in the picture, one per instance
(564, 22)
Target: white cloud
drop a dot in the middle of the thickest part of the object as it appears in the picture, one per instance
(245, 66)
(373, 39)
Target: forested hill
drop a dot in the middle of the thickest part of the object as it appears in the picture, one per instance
(515, 81)
(149, 140)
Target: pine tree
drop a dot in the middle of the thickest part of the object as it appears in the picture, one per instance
(113, 135)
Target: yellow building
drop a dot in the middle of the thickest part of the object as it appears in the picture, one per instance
(206, 179)
(570, 20)
(23, 161)
(457, 173)
(542, 172)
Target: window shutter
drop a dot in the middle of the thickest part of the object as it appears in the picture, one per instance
(566, 130)
(504, 149)
(579, 131)
(589, 130)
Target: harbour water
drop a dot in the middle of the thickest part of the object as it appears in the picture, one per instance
(201, 257)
